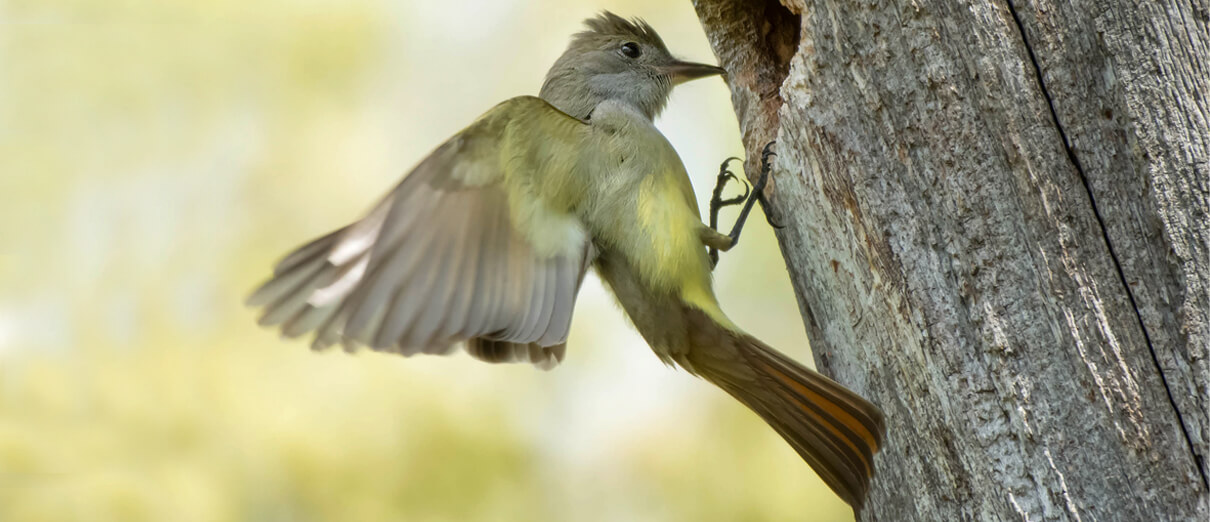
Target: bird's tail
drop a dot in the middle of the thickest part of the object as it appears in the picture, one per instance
(836, 431)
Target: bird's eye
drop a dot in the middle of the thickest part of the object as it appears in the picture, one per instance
(631, 50)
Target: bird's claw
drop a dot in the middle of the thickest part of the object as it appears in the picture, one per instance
(765, 170)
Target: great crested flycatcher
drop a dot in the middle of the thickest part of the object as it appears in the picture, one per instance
(487, 240)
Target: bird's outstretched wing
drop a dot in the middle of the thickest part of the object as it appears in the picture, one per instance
(476, 244)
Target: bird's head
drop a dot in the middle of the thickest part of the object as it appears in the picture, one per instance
(617, 59)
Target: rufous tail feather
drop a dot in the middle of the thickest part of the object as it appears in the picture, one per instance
(836, 431)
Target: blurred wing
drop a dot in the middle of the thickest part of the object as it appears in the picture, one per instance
(464, 249)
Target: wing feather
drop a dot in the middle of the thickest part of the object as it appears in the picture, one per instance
(425, 297)
(531, 302)
(560, 319)
(512, 314)
(550, 275)
(376, 295)
(307, 320)
(449, 275)
(307, 252)
(295, 288)
(488, 277)
(462, 282)
(409, 282)
(443, 258)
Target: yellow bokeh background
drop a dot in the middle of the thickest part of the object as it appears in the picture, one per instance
(156, 157)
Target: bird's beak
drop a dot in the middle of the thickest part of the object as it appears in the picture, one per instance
(681, 72)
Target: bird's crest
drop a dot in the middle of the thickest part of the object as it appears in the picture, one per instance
(608, 24)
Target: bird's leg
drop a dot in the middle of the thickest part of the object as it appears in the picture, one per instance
(711, 237)
(759, 190)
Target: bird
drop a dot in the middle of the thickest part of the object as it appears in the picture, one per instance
(485, 243)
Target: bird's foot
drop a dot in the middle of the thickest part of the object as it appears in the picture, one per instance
(717, 202)
(757, 192)
(766, 170)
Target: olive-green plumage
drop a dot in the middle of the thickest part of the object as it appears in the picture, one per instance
(487, 240)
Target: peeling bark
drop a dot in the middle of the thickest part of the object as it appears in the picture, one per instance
(998, 229)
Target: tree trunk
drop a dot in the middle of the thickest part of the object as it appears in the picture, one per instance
(997, 225)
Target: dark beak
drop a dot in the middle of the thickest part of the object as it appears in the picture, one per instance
(681, 72)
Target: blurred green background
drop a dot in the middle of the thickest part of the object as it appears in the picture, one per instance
(157, 157)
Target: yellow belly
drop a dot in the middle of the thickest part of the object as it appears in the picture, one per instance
(670, 255)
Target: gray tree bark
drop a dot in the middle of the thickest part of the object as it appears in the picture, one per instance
(997, 225)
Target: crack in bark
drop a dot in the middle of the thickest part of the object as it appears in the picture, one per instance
(1075, 161)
